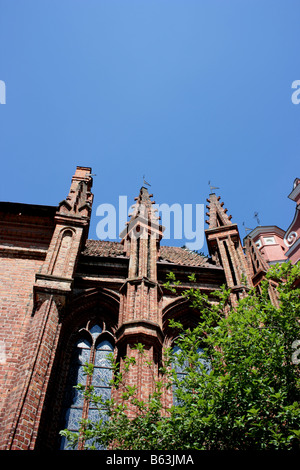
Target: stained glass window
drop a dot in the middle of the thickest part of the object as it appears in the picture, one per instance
(95, 351)
(181, 368)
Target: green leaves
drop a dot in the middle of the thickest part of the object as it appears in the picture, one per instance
(171, 282)
(249, 397)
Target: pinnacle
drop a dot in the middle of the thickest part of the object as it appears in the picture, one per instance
(143, 206)
(217, 215)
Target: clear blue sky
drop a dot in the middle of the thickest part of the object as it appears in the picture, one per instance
(183, 91)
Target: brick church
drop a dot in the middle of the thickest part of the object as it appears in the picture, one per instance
(66, 300)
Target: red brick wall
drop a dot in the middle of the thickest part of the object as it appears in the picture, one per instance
(33, 296)
(25, 234)
(34, 241)
(16, 280)
(35, 367)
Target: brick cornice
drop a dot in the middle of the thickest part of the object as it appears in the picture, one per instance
(20, 252)
(137, 330)
(50, 283)
(141, 280)
(223, 228)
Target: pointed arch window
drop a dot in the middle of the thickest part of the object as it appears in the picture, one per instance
(180, 367)
(93, 346)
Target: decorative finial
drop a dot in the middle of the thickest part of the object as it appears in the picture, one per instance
(247, 229)
(145, 182)
(212, 187)
(256, 217)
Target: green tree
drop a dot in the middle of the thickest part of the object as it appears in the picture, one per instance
(241, 387)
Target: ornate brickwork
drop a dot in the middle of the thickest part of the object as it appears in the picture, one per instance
(56, 284)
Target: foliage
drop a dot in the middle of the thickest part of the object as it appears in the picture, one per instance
(114, 427)
(247, 398)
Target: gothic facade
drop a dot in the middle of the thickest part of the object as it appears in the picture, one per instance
(67, 300)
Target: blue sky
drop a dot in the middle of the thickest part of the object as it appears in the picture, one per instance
(181, 91)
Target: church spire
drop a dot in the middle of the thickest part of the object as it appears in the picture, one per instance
(140, 300)
(143, 216)
(217, 215)
(141, 237)
(224, 244)
(72, 221)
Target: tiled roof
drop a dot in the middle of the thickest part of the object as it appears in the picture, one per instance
(182, 256)
(103, 248)
(171, 254)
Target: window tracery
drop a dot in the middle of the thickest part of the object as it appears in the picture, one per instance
(93, 346)
(181, 367)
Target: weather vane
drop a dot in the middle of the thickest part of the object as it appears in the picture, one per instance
(247, 229)
(256, 217)
(212, 187)
(145, 182)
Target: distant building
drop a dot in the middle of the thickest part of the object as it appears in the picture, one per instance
(270, 243)
(292, 235)
(276, 245)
